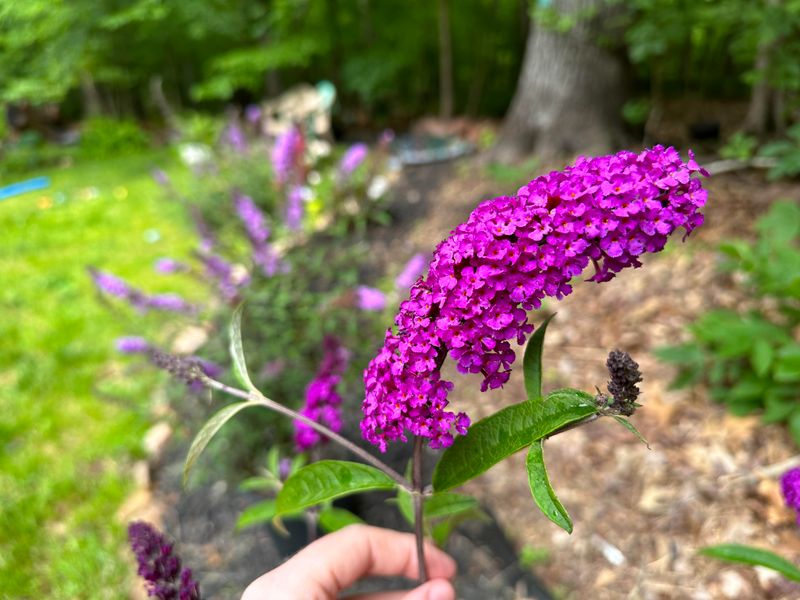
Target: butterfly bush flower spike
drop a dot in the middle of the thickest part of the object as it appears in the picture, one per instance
(512, 252)
(159, 565)
(352, 159)
(322, 398)
(286, 154)
(411, 272)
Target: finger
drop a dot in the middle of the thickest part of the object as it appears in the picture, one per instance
(437, 589)
(338, 560)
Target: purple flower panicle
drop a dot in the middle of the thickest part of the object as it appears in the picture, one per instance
(167, 266)
(294, 207)
(159, 565)
(234, 137)
(352, 159)
(510, 254)
(286, 154)
(110, 284)
(169, 302)
(253, 219)
(132, 344)
(322, 399)
(411, 272)
(790, 486)
(370, 299)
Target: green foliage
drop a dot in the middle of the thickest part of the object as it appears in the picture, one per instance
(685, 45)
(73, 421)
(532, 362)
(332, 518)
(786, 152)
(748, 555)
(749, 358)
(103, 136)
(209, 430)
(30, 153)
(541, 490)
(507, 431)
(739, 146)
(327, 480)
(200, 127)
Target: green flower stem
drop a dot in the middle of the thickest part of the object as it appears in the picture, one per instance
(418, 508)
(333, 436)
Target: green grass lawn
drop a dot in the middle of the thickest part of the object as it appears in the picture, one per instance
(65, 449)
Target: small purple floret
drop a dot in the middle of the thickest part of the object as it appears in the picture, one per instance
(511, 254)
(169, 302)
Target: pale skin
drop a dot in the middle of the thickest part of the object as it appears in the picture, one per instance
(330, 565)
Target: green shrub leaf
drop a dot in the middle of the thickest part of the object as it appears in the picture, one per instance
(237, 352)
(737, 553)
(630, 427)
(541, 490)
(260, 512)
(332, 518)
(532, 362)
(509, 430)
(209, 430)
(326, 480)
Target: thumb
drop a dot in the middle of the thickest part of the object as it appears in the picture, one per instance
(436, 589)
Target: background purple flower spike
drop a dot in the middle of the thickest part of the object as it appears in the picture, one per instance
(370, 299)
(353, 158)
(131, 345)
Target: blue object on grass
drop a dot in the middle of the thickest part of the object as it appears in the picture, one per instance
(29, 185)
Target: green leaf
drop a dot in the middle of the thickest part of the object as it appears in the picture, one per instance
(333, 519)
(209, 430)
(761, 357)
(260, 512)
(630, 427)
(237, 352)
(794, 426)
(532, 362)
(787, 364)
(436, 506)
(543, 493)
(445, 504)
(252, 484)
(509, 430)
(737, 553)
(326, 480)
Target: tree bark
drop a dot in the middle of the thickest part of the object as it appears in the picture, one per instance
(445, 62)
(92, 104)
(570, 91)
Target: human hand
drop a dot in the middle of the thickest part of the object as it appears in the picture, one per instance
(333, 563)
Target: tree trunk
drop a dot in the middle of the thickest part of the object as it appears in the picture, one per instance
(92, 104)
(570, 91)
(445, 62)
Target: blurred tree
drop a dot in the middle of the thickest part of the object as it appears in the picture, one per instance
(570, 92)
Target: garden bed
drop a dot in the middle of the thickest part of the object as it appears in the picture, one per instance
(639, 514)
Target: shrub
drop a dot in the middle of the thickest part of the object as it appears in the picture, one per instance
(750, 357)
(104, 136)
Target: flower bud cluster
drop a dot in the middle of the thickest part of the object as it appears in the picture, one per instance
(159, 565)
(512, 253)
